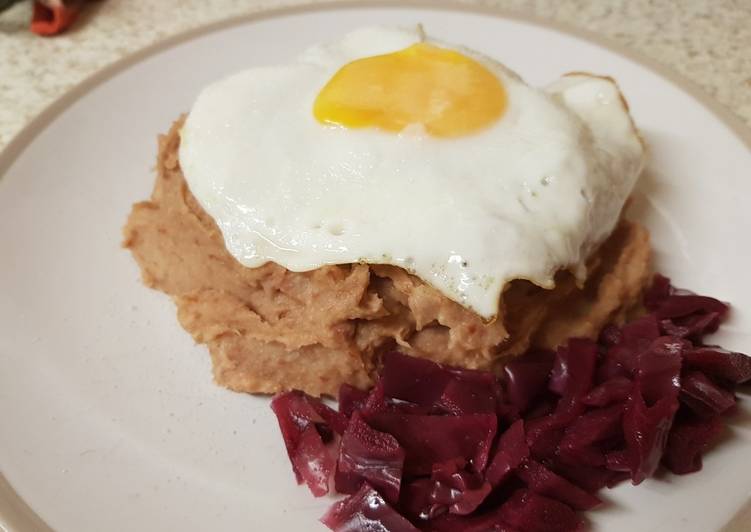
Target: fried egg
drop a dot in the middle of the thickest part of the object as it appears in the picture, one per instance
(387, 147)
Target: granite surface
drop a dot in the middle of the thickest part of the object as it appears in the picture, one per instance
(706, 41)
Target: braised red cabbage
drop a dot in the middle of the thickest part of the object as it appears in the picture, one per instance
(351, 399)
(714, 361)
(703, 396)
(429, 440)
(366, 510)
(366, 454)
(542, 480)
(443, 449)
(304, 430)
(511, 451)
(526, 377)
(688, 440)
(530, 512)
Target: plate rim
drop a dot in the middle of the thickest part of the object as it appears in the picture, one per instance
(16, 515)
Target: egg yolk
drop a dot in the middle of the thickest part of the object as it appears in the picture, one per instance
(447, 92)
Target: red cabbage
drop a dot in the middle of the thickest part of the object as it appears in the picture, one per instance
(617, 477)
(578, 445)
(431, 439)
(621, 358)
(437, 389)
(365, 510)
(334, 420)
(640, 332)
(415, 501)
(351, 399)
(703, 396)
(487, 522)
(684, 314)
(590, 478)
(531, 512)
(422, 445)
(619, 461)
(692, 327)
(657, 292)
(688, 440)
(615, 390)
(667, 302)
(464, 395)
(543, 406)
(543, 481)
(301, 423)
(368, 455)
(682, 305)
(477, 376)
(649, 410)
(573, 369)
(527, 377)
(460, 490)
(659, 371)
(735, 368)
(544, 435)
(412, 379)
(645, 430)
(511, 451)
(610, 335)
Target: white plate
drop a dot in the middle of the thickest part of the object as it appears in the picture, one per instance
(109, 419)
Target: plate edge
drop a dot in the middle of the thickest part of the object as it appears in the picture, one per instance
(15, 514)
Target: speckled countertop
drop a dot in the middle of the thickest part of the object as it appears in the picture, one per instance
(707, 41)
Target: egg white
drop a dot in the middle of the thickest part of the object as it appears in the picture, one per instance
(535, 192)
